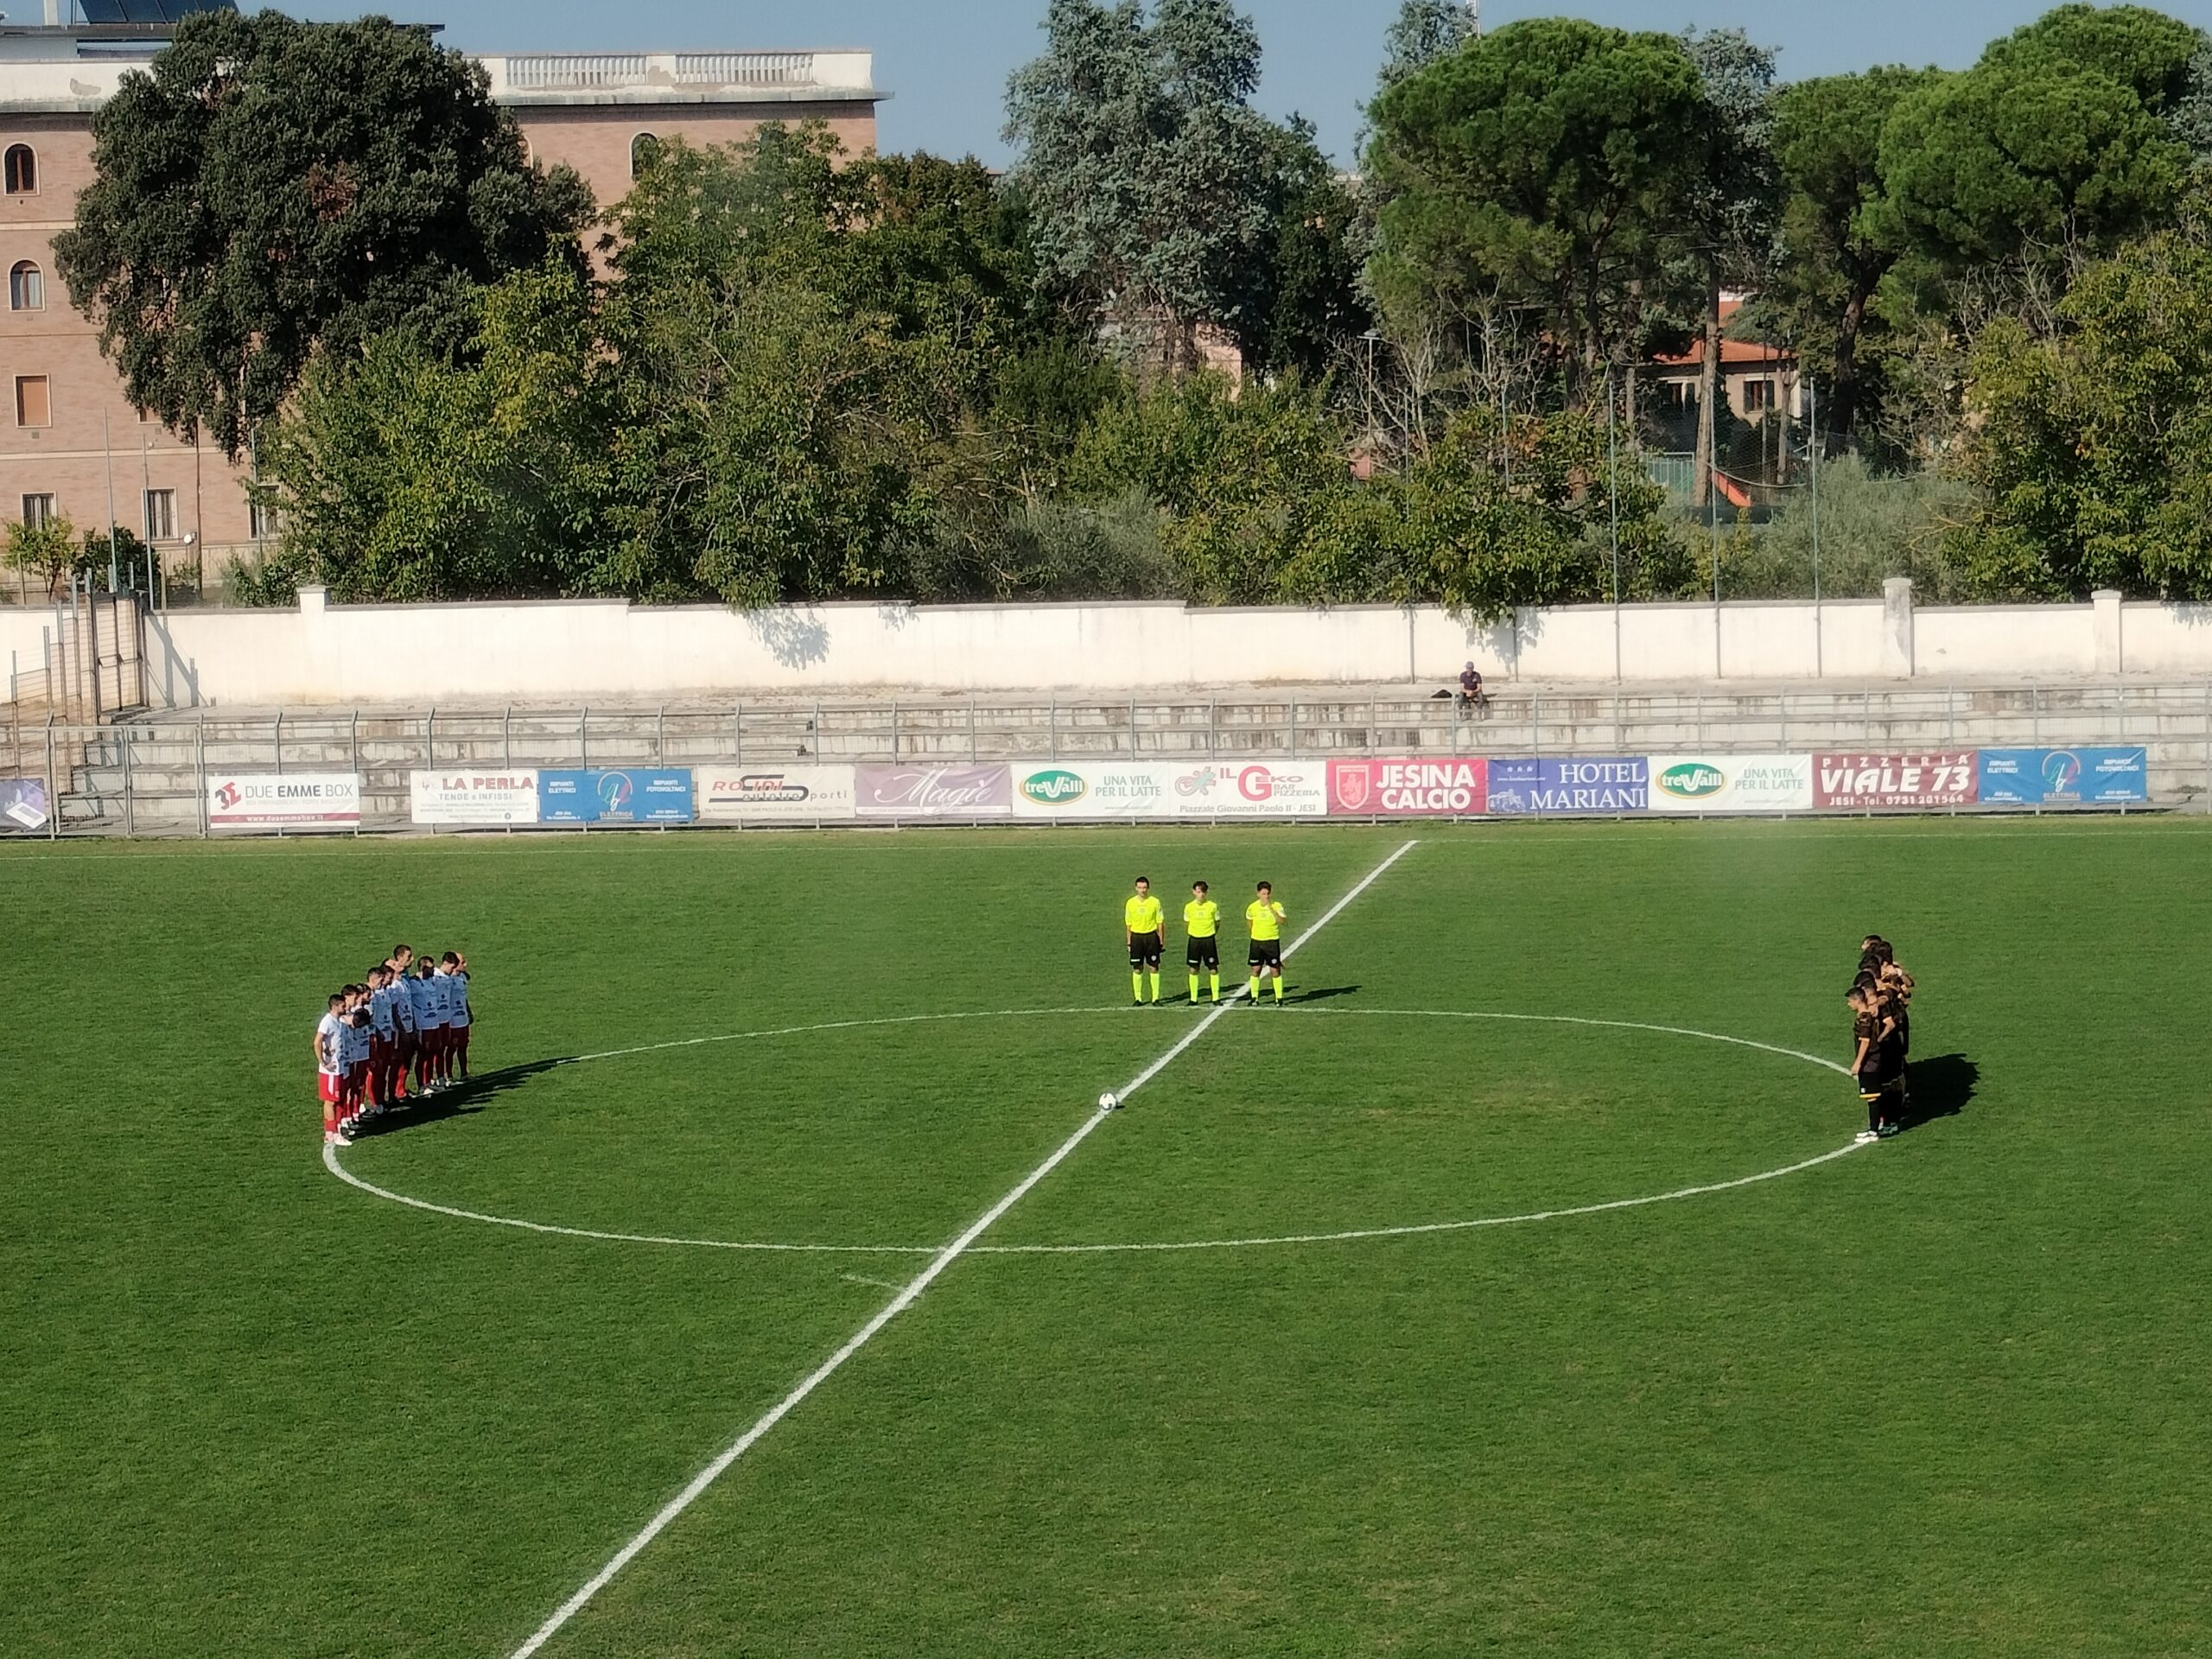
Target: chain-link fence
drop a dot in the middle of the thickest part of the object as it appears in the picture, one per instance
(154, 777)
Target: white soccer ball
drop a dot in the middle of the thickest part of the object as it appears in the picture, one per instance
(1108, 1101)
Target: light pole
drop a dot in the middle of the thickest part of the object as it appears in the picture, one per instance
(1613, 513)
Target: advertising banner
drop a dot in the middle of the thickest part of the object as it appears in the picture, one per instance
(2096, 776)
(1250, 789)
(451, 796)
(1091, 789)
(1455, 787)
(1732, 783)
(920, 791)
(23, 805)
(1606, 783)
(1858, 780)
(615, 795)
(1187, 789)
(777, 794)
(291, 800)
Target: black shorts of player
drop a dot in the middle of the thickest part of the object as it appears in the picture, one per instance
(1264, 953)
(1204, 953)
(1146, 950)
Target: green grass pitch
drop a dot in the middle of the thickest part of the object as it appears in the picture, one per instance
(1944, 1396)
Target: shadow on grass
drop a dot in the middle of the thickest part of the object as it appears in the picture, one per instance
(463, 1100)
(1939, 1087)
(1322, 993)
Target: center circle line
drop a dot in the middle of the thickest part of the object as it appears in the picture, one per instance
(331, 1160)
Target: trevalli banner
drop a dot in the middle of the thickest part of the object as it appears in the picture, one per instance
(777, 794)
(1438, 788)
(1860, 780)
(1730, 783)
(470, 798)
(1091, 789)
(1191, 791)
(290, 800)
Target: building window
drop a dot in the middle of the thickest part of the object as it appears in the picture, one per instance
(38, 511)
(161, 515)
(643, 148)
(264, 520)
(32, 405)
(26, 287)
(21, 168)
(1758, 394)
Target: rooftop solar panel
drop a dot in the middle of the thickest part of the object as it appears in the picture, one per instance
(148, 11)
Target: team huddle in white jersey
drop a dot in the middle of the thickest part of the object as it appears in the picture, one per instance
(410, 1012)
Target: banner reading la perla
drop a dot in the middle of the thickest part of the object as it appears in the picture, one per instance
(452, 796)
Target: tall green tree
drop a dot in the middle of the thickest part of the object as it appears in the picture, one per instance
(403, 475)
(2145, 50)
(801, 357)
(1838, 236)
(1145, 171)
(1734, 199)
(2029, 156)
(1302, 298)
(2091, 446)
(1543, 166)
(1422, 32)
(272, 189)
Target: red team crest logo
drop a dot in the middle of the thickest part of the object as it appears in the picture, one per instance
(1354, 785)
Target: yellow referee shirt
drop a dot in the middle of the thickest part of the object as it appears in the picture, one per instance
(1265, 918)
(1142, 915)
(1201, 919)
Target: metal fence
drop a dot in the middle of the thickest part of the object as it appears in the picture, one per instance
(151, 777)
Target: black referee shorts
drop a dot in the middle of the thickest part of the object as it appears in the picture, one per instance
(1146, 950)
(1203, 952)
(1264, 953)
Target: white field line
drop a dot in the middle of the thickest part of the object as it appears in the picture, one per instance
(1844, 1151)
(921, 1281)
(830, 1025)
(330, 1155)
(330, 1162)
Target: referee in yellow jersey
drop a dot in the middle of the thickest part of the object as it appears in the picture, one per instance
(1265, 918)
(1202, 923)
(1145, 923)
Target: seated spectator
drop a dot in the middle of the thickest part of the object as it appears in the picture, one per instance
(1471, 690)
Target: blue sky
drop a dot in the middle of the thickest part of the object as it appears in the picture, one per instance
(947, 60)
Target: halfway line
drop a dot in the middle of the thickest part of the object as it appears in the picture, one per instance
(921, 1281)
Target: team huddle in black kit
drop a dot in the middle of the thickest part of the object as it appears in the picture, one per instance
(1881, 1029)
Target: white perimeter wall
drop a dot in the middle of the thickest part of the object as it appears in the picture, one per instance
(571, 651)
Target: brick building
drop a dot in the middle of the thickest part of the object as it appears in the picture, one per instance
(70, 443)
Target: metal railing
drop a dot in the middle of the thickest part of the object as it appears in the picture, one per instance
(151, 776)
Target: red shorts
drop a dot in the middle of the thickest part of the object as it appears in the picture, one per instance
(326, 1087)
(357, 1075)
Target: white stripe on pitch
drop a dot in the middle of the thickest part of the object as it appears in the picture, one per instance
(921, 1281)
